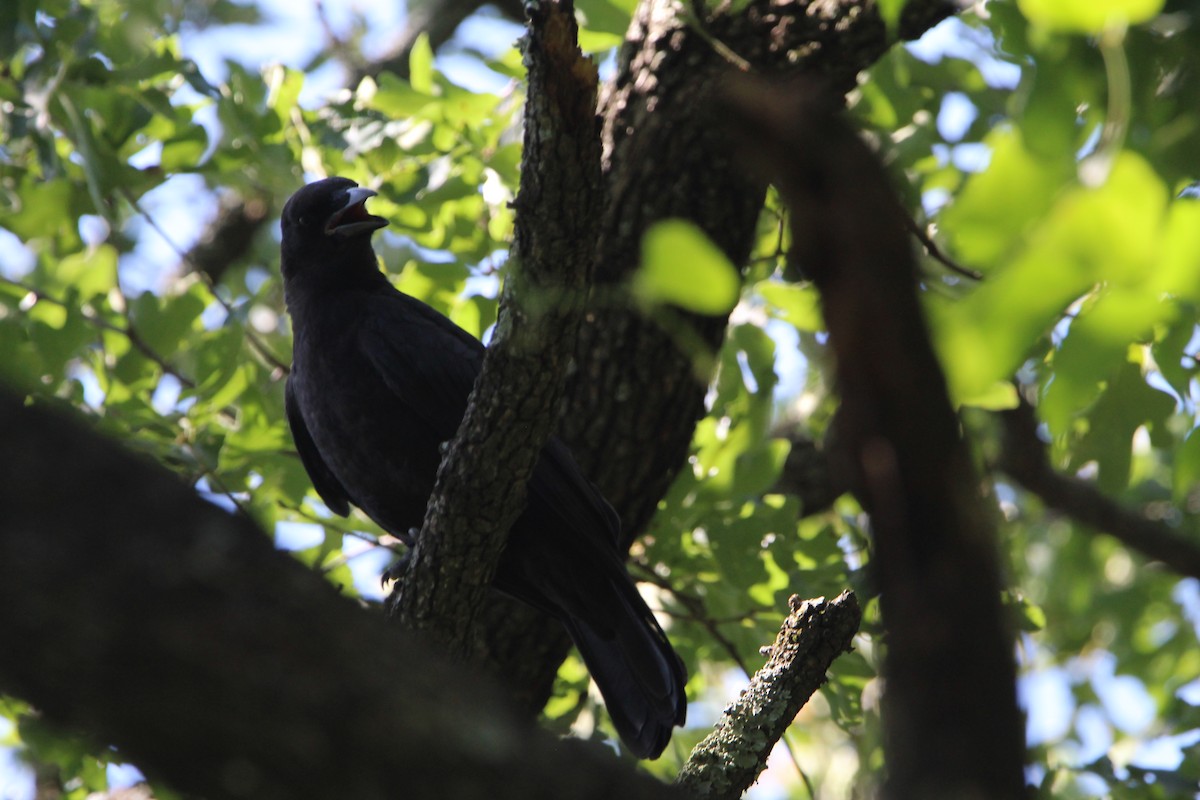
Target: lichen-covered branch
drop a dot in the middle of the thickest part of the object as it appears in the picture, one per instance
(730, 759)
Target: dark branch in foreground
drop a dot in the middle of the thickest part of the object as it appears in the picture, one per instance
(730, 759)
(480, 488)
(952, 727)
(158, 624)
(1023, 458)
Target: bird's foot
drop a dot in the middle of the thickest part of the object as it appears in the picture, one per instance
(397, 570)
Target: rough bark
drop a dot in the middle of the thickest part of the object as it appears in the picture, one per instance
(133, 610)
(952, 727)
(634, 396)
(480, 488)
(731, 758)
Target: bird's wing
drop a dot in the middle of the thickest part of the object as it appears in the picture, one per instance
(559, 482)
(324, 481)
(430, 365)
(427, 362)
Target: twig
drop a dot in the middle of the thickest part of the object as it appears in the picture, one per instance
(215, 482)
(697, 611)
(936, 253)
(255, 343)
(731, 758)
(1023, 458)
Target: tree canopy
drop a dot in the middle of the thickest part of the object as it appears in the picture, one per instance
(1044, 157)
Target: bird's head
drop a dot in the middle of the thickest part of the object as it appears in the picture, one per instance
(327, 218)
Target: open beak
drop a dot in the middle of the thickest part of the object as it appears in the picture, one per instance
(352, 219)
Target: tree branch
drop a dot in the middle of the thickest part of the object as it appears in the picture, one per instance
(730, 759)
(481, 483)
(229, 236)
(438, 19)
(952, 727)
(161, 625)
(1023, 458)
(664, 158)
(633, 396)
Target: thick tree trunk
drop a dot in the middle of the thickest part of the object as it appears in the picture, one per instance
(635, 396)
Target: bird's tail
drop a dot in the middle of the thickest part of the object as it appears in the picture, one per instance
(638, 673)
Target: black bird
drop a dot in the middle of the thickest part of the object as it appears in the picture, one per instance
(380, 380)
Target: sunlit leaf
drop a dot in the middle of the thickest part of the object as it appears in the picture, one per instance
(799, 305)
(420, 65)
(1089, 16)
(682, 267)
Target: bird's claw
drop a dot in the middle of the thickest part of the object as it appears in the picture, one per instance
(397, 570)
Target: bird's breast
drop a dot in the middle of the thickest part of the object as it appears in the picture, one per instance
(385, 461)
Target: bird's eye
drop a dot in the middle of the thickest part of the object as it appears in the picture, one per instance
(302, 221)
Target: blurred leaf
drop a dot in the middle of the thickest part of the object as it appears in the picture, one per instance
(604, 17)
(999, 206)
(1187, 467)
(1001, 395)
(420, 65)
(681, 266)
(1089, 16)
(162, 322)
(798, 305)
(889, 11)
(89, 272)
(1088, 235)
(1126, 405)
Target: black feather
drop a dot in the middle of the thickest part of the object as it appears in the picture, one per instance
(380, 380)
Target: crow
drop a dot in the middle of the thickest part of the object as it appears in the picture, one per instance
(379, 381)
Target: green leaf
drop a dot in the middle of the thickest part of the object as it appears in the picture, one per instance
(1002, 395)
(597, 42)
(420, 65)
(602, 16)
(682, 267)
(183, 150)
(59, 334)
(798, 305)
(1179, 264)
(1186, 476)
(1109, 234)
(45, 209)
(162, 322)
(89, 272)
(889, 11)
(1127, 404)
(1088, 16)
(998, 206)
